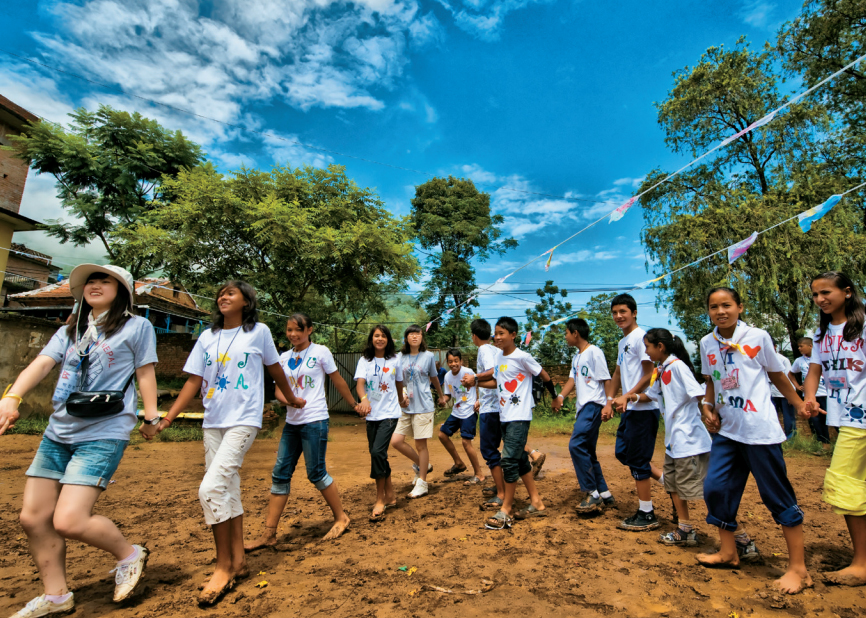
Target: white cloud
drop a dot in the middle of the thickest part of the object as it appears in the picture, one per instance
(758, 13)
(484, 18)
(580, 256)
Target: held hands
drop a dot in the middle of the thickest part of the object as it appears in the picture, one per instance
(8, 413)
(711, 418)
(404, 402)
(149, 432)
(811, 409)
(363, 408)
(607, 412)
(620, 403)
(468, 380)
(556, 404)
(297, 402)
(477, 406)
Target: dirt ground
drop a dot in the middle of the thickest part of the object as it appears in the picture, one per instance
(561, 565)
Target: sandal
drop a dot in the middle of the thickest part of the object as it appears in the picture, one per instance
(377, 517)
(537, 463)
(530, 511)
(492, 503)
(455, 469)
(500, 521)
(473, 481)
(488, 491)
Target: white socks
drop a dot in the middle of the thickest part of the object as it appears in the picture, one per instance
(661, 480)
(646, 506)
(606, 494)
(594, 494)
(131, 556)
(57, 599)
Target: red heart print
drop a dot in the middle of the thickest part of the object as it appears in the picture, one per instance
(752, 352)
(666, 377)
(386, 369)
(511, 386)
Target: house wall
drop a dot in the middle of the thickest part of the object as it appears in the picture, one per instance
(22, 339)
(13, 173)
(172, 350)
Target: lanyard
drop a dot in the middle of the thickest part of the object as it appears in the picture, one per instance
(835, 359)
(728, 344)
(224, 362)
(377, 373)
(413, 366)
(300, 366)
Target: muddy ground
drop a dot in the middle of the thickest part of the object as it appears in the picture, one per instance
(558, 566)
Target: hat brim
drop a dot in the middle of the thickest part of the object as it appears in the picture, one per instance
(81, 273)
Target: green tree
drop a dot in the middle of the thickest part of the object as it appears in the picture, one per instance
(766, 176)
(307, 239)
(450, 216)
(109, 165)
(551, 348)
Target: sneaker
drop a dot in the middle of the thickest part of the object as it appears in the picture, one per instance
(748, 552)
(590, 504)
(128, 575)
(419, 490)
(417, 471)
(641, 521)
(40, 606)
(680, 537)
(609, 501)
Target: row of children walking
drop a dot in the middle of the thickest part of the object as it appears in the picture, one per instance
(105, 346)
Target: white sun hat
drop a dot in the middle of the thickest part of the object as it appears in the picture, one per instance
(81, 273)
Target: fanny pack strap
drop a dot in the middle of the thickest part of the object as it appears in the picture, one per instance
(85, 364)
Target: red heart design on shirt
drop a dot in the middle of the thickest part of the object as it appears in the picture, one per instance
(752, 352)
(386, 369)
(511, 386)
(666, 377)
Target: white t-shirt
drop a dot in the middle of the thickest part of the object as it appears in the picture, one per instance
(381, 376)
(589, 371)
(463, 397)
(306, 371)
(417, 371)
(514, 373)
(748, 415)
(487, 355)
(801, 365)
(786, 364)
(631, 353)
(231, 363)
(676, 391)
(843, 365)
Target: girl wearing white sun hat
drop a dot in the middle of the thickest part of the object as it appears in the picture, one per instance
(100, 351)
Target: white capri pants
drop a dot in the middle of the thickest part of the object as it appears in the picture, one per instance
(220, 489)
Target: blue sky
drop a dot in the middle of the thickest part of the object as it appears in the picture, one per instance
(553, 97)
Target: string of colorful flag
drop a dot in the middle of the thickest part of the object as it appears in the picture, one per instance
(618, 213)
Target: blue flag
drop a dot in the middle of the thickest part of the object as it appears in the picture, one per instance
(808, 217)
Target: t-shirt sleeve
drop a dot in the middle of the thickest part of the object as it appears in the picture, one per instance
(269, 350)
(144, 344)
(56, 346)
(786, 364)
(641, 350)
(531, 365)
(195, 361)
(816, 354)
(706, 368)
(431, 366)
(327, 361)
(690, 384)
(654, 392)
(361, 369)
(599, 365)
(572, 372)
(398, 371)
(767, 356)
(449, 388)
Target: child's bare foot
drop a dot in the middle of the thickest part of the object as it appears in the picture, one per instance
(849, 576)
(242, 571)
(268, 539)
(337, 529)
(793, 582)
(220, 583)
(717, 560)
(378, 513)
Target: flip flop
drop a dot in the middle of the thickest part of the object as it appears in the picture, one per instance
(391, 506)
(492, 503)
(528, 512)
(455, 469)
(488, 491)
(377, 517)
(500, 521)
(473, 481)
(536, 465)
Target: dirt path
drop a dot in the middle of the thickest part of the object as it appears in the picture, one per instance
(556, 566)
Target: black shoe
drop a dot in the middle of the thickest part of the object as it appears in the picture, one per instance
(641, 521)
(590, 504)
(609, 501)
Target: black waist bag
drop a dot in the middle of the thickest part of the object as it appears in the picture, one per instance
(93, 404)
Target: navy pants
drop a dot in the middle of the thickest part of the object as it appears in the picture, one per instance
(789, 415)
(582, 446)
(819, 423)
(491, 436)
(636, 441)
(730, 465)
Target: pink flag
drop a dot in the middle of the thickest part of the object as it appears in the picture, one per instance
(429, 324)
(619, 213)
(528, 338)
(738, 249)
(758, 123)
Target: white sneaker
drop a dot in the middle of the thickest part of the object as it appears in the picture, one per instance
(419, 490)
(417, 470)
(128, 575)
(40, 606)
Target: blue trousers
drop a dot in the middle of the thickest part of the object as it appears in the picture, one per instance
(819, 423)
(789, 415)
(636, 441)
(730, 465)
(582, 446)
(491, 436)
(311, 439)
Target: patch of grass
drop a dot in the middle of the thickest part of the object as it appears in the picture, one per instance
(801, 443)
(31, 426)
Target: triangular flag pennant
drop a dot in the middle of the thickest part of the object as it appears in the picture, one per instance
(619, 213)
(547, 266)
(738, 249)
(501, 279)
(809, 217)
(758, 123)
(470, 299)
(641, 286)
(528, 338)
(449, 311)
(429, 324)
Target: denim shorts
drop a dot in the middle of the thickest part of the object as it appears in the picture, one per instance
(466, 426)
(85, 463)
(311, 439)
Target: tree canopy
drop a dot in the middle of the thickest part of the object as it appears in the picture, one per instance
(109, 165)
(450, 216)
(551, 349)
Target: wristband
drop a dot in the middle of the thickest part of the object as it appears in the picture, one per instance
(167, 420)
(637, 397)
(14, 396)
(363, 398)
(704, 402)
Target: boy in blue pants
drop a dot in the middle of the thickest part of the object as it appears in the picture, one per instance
(587, 378)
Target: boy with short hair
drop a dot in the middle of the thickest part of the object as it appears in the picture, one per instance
(797, 375)
(463, 417)
(512, 378)
(587, 378)
(639, 422)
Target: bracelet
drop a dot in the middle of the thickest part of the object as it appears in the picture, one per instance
(637, 397)
(14, 396)
(704, 402)
(165, 418)
(363, 398)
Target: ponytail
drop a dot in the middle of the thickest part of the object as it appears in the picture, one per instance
(673, 345)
